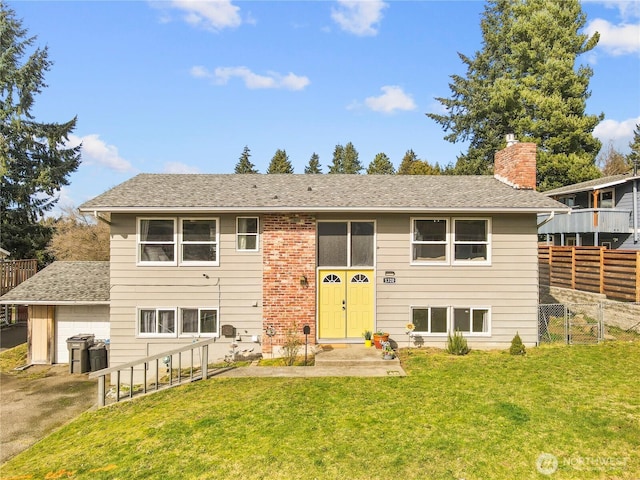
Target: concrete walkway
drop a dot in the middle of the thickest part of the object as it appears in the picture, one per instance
(341, 360)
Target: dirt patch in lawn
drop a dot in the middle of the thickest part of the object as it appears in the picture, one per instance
(38, 400)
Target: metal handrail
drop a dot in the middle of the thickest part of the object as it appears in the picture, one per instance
(130, 366)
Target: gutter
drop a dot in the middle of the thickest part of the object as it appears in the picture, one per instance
(544, 222)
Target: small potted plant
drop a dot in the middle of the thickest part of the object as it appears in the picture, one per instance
(387, 351)
(367, 338)
(380, 337)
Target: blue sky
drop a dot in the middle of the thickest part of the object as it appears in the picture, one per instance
(182, 86)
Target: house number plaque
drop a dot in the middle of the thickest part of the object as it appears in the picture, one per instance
(389, 280)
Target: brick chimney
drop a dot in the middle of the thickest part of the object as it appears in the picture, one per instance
(516, 165)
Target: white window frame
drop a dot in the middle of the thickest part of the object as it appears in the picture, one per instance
(140, 243)
(429, 332)
(141, 334)
(215, 242)
(446, 242)
(256, 235)
(454, 242)
(349, 264)
(451, 320)
(198, 334)
(471, 310)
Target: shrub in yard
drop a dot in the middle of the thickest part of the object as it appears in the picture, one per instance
(457, 344)
(517, 347)
(292, 343)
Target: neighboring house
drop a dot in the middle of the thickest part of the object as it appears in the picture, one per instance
(232, 256)
(64, 299)
(604, 212)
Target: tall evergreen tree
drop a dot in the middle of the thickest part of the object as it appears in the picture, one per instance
(337, 165)
(280, 163)
(351, 162)
(381, 165)
(408, 160)
(314, 165)
(345, 160)
(244, 165)
(35, 161)
(524, 81)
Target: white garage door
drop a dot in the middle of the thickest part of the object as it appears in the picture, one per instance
(76, 319)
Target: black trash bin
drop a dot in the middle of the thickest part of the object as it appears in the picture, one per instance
(78, 347)
(98, 357)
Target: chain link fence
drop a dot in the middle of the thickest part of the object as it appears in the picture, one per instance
(588, 323)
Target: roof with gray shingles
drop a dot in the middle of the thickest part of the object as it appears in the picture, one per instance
(262, 192)
(64, 283)
(594, 184)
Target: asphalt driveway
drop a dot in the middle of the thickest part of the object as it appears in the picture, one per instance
(36, 401)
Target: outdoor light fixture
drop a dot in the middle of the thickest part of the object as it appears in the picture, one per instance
(303, 280)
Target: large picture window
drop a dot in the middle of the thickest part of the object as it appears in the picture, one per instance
(346, 244)
(157, 322)
(201, 322)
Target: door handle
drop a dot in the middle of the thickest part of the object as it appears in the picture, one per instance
(344, 304)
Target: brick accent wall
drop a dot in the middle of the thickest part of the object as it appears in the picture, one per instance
(516, 166)
(289, 252)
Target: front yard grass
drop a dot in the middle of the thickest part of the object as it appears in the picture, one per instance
(487, 415)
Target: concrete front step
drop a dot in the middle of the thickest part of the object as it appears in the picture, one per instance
(348, 355)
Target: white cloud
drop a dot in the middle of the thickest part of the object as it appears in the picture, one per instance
(177, 167)
(618, 39)
(359, 17)
(96, 152)
(253, 81)
(212, 15)
(619, 134)
(393, 98)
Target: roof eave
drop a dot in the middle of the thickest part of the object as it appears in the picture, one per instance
(55, 302)
(285, 209)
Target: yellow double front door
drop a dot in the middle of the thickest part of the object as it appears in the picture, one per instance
(345, 303)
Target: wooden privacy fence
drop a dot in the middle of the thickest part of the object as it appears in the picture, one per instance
(614, 273)
(14, 272)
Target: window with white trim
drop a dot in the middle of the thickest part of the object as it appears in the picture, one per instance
(445, 241)
(199, 241)
(169, 241)
(471, 240)
(157, 241)
(471, 320)
(430, 320)
(247, 229)
(346, 243)
(201, 322)
(429, 240)
(440, 321)
(157, 322)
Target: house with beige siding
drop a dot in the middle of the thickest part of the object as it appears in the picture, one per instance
(235, 257)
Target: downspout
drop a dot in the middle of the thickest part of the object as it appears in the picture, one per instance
(635, 211)
(544, 222)
(101, 217)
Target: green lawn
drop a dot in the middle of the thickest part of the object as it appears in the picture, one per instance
(488, 415)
